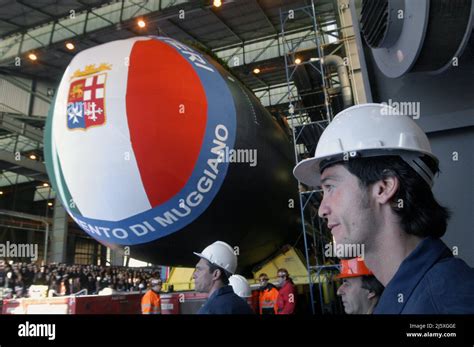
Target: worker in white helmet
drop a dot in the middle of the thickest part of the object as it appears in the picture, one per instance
(376, 169)
(241, 287)
(218, 262)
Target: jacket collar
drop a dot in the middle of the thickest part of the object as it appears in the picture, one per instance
(221, 291)
(411, 271)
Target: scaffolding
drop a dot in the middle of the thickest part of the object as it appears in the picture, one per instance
(299, 119)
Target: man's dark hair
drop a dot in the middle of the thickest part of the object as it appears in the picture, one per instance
(421, 214)
(224, 274)
(372, 285)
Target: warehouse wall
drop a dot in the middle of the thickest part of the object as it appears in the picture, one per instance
(454, 186)
(17, 99)
(12, 98)
(41, 107)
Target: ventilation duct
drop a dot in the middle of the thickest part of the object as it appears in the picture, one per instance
(341, 68)
(416, 36)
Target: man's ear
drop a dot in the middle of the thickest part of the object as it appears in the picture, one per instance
(371, 295)
(385, 189)
(216, 274)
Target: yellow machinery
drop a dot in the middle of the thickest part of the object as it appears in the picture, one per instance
(181, 278)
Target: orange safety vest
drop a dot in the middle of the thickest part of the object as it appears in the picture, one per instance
(151, 303)
(268, 301)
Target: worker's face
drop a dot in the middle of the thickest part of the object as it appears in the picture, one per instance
(157, 287)
(281, 278)
(203, 279)
(356, 300)
(346, 207)
(263, 281)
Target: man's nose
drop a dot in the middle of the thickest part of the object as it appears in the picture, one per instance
(324, 209)
(340, 290)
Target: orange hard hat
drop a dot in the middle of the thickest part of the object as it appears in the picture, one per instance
(353, 268)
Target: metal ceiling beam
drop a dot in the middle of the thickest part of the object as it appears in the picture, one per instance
(11, 23)
(25, 166)
(266, 16)
(27, 119)
(101, 17)
(51, 66)
(65, 28)
(260, 80)
(223, 22)
(11, 72)
(84, 30)
(9, 123)
(24, 215)
(180, 28)
(140, 7)
(126, 27)
(263, 38)
(8, 179)
(37, 9)
(41, 23)
(52, 19)
(263, 50)
(233, 54)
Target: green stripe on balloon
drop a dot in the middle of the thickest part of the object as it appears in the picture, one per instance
(48, 156)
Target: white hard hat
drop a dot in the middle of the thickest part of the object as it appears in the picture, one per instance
(220, 254)
(155, 281)
(240, 286)
(106, 291)
(368, 130)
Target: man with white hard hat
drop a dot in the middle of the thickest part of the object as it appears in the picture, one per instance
(218, 262)
(241, 287)
(376, 169)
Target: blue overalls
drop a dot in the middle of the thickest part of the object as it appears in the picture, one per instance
(225, 301)
(429, 281)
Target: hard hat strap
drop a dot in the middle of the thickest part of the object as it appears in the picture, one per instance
(420, 167)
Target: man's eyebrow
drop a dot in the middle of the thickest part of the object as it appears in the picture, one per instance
(332, 177)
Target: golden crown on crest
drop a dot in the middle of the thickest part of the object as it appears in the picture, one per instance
(91, 69)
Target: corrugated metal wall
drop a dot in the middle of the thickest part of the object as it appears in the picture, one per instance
(12, 98)
(41, 107)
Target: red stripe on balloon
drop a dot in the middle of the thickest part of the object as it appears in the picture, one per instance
(167, 112)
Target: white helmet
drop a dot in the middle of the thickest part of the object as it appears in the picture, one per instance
(220, 254)
(368, 130)
(155, 281)
(240, 286)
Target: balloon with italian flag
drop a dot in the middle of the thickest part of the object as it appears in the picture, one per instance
(142, 136)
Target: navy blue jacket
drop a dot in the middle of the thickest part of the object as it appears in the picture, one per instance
(225, 301)
(429, 281)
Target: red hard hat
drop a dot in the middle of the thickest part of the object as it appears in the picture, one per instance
(353, 268)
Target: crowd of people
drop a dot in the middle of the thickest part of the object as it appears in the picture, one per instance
(62, 279)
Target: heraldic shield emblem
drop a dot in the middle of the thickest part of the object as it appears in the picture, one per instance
(86, 98)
